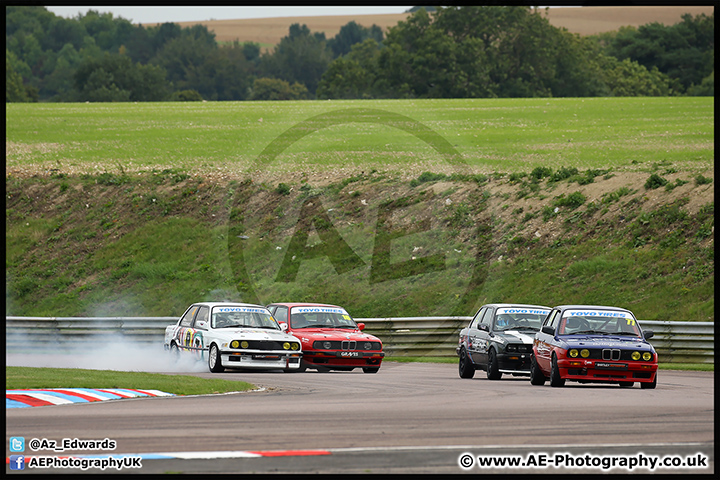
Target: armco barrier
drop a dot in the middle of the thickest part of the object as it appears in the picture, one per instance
(676, 342)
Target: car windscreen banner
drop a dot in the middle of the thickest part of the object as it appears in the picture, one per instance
(336, 310)
(527, 311)
(241, 309)
(599, 314)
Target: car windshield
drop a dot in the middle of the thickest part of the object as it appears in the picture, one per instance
(603, 322)
(321, 317)
(247, 317)
(519, 319)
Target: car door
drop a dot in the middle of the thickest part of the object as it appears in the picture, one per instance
(280, 313)
(199, 328)
(480, 337)
(544, 340)
(470, 333)
(184, 331)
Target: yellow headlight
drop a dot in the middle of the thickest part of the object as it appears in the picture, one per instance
(647, 356)
(573, 353)
(234, 344)
(286, 346)
(295, 346)
(635, 355)
(584, 353)
(244, 344)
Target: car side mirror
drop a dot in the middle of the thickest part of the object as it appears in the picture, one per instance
(283, 326)
(484, 327)
(361, 326)
(201, 325)
(548, 329)
(648, 334)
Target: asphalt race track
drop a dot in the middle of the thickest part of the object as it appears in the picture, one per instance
(407, 418)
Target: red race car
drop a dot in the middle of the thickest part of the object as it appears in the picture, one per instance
(331, 340)
(593, 344)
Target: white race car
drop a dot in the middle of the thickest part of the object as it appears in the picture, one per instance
(234, 335)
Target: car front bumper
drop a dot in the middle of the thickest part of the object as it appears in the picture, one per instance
(261, 360)
(514, 363)
(343, 358)
(607, 371)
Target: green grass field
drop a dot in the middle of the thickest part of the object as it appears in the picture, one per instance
(505, 135)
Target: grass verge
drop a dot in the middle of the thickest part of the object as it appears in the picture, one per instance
(30, 377)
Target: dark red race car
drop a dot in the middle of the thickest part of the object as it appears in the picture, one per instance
(331, 340)
(593, 344)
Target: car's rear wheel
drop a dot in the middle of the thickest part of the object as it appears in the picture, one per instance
(555, 379)
(493, 369)
(536, 375)
(649, 385)
(174, 352)
(214, 362)
(465, 366)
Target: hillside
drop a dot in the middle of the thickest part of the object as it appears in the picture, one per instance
(581, 20)
(114, 245)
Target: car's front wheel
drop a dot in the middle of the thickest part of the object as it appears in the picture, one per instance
(214, 362)
(493, 368)
(302, 368)
(536, 375)
(555, 379)
(465, 367)
(649, 385)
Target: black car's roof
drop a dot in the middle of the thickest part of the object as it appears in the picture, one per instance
(588, 307)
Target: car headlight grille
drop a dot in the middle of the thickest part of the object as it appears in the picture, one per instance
(518, 348)
(618, 355)
(345, 345)
(264, 345)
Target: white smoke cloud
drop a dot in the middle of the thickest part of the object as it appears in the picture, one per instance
(108, 354)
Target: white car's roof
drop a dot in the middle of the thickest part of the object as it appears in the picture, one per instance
(229, 304)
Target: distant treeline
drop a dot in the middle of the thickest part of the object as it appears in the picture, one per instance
(452, 52)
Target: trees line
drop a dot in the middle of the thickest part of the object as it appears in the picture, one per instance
(451, 52)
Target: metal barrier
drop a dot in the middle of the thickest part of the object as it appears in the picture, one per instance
(675, 342)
